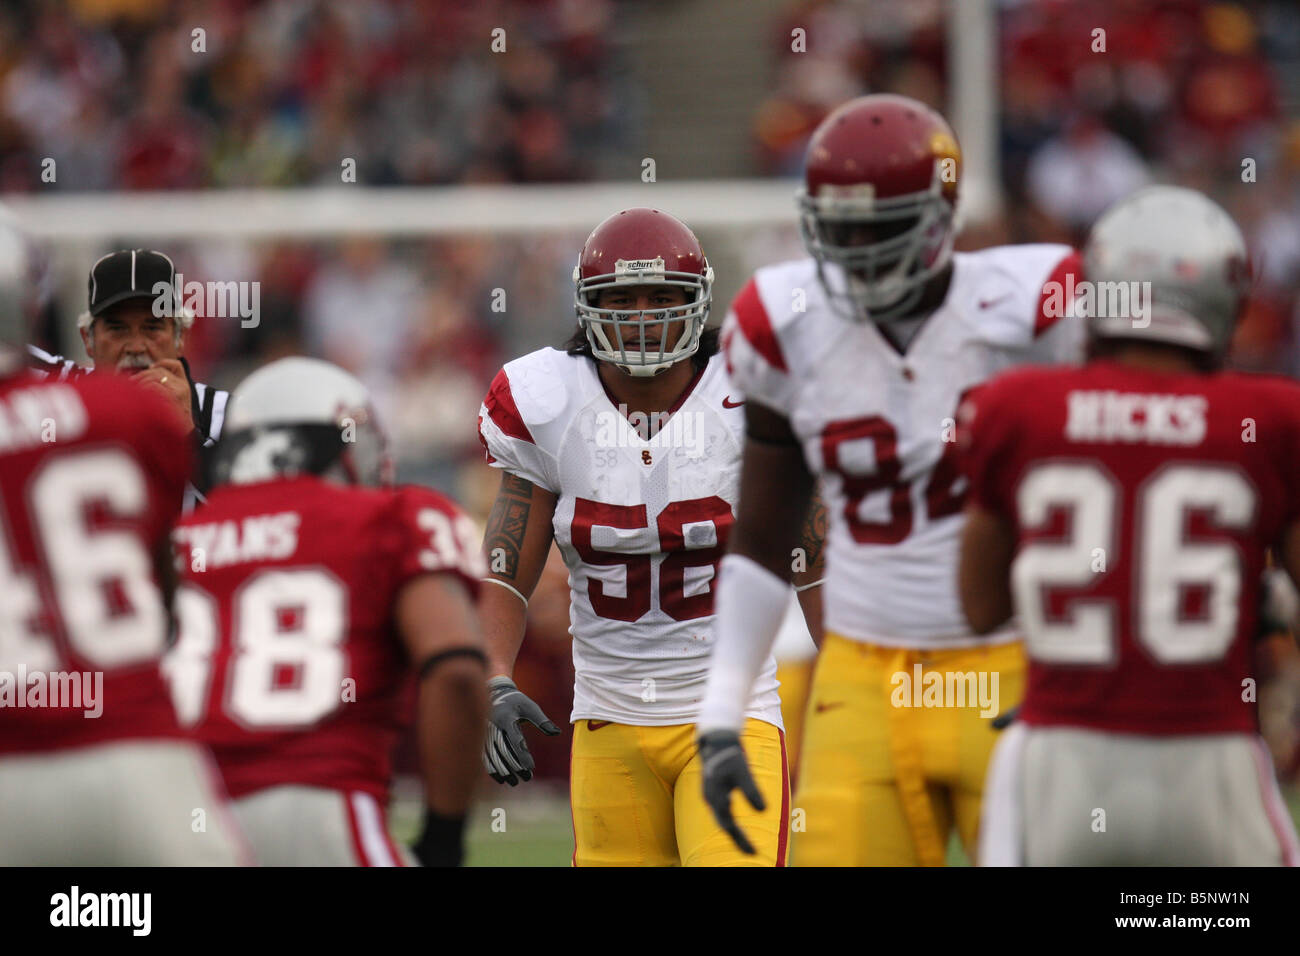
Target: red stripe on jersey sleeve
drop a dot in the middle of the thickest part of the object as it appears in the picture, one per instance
(503, 411)
(1065, 277)
(754, 322)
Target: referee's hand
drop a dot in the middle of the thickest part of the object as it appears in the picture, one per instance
(168, 376)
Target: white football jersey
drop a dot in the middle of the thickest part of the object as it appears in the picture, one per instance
(879, 427)
(642, 525)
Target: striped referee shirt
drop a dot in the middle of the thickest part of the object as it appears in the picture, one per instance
(207, 404)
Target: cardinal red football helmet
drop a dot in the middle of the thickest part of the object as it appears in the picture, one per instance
(642, 247)
(877, 207)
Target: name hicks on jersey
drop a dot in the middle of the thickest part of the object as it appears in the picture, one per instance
(1130, 418)
(256, 538)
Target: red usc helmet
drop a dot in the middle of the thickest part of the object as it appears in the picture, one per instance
(638, 247)
(880, 191)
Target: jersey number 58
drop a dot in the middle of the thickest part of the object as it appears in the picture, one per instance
(672, 524)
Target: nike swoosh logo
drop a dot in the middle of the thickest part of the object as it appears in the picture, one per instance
(728, 403)
(989, 303)
(822, 706)
(597, 724)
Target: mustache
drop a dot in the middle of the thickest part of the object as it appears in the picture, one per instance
(131, 363)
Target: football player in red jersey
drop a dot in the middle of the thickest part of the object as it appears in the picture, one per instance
(94, 769)
(311, 595)
(852, 362)
(1123, 510)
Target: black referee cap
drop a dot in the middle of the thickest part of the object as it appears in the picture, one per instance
(128, 274)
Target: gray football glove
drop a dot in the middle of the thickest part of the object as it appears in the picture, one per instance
(505, 754)
(725, 770)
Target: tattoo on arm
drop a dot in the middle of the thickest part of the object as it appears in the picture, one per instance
(812, 534)
(506, 526)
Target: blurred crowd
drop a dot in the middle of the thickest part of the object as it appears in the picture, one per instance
(170, 94)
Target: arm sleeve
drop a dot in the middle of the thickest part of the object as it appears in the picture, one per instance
(751, 603)
(508, 441)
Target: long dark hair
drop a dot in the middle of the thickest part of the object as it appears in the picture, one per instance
(710, 345)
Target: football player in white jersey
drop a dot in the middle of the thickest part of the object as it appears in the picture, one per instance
(624, 449)
(853, 362)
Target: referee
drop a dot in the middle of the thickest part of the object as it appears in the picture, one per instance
(122, 335)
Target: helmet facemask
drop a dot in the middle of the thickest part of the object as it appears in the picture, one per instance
(882, 280)
(619, 335)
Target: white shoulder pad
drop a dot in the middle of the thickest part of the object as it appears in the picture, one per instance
(1017, 294)
(760, 349)
(522, 414)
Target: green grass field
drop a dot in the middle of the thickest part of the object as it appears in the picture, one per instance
(533, 827)
(527, 826)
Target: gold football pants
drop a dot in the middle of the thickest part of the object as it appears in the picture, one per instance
(638, 798)
(895, 747)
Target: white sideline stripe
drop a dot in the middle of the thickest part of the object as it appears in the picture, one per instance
(370, 828)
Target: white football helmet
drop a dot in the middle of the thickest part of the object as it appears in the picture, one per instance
(302, 416)
(1189, 251)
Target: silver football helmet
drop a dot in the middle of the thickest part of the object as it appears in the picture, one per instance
(302, 416)
(1181, 263)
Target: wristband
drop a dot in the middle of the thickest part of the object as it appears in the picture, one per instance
(431, 662)
(509, 587)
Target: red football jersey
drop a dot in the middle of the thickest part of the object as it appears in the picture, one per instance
(1143, 504)
(289, 665)
(91, 475)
